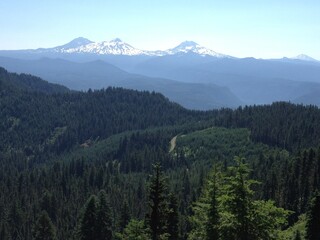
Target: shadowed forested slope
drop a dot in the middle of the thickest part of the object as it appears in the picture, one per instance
(28, 83)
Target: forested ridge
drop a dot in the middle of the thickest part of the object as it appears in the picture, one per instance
(74, 117)
(281, 124)
(97, 165)
(28, 82)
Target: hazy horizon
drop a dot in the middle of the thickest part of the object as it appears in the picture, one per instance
(270, 29)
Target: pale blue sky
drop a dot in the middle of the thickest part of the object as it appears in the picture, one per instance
(242, 28)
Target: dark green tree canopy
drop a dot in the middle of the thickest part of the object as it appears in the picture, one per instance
(44, 229)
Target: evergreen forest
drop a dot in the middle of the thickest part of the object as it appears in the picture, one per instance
(128, 165)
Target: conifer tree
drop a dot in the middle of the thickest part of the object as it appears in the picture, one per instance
(135, 230)
(124, 216)
(173, 218)
(157, 202)
(103, 222)
(243, 217)
(44, 229)
(227, 210)
(88, 220)
(213, 214)
(313, 219)
(206, 212)
(238, 201)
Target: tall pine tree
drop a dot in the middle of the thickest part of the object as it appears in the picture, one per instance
(124, 216)
(157, 203)
(44, 229)
(213, 215)
(173, 218)
(238, 201)
(103, 221)
(227, 210)
(88, 220)
(313, 219)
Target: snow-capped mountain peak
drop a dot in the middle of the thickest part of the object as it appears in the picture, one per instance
(304, 57)
(113, 47)
(118, 47)
(190, 46)
(77, 42)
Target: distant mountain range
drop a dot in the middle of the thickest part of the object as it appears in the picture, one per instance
(118, 47)
(192, 75)
(99, 74)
